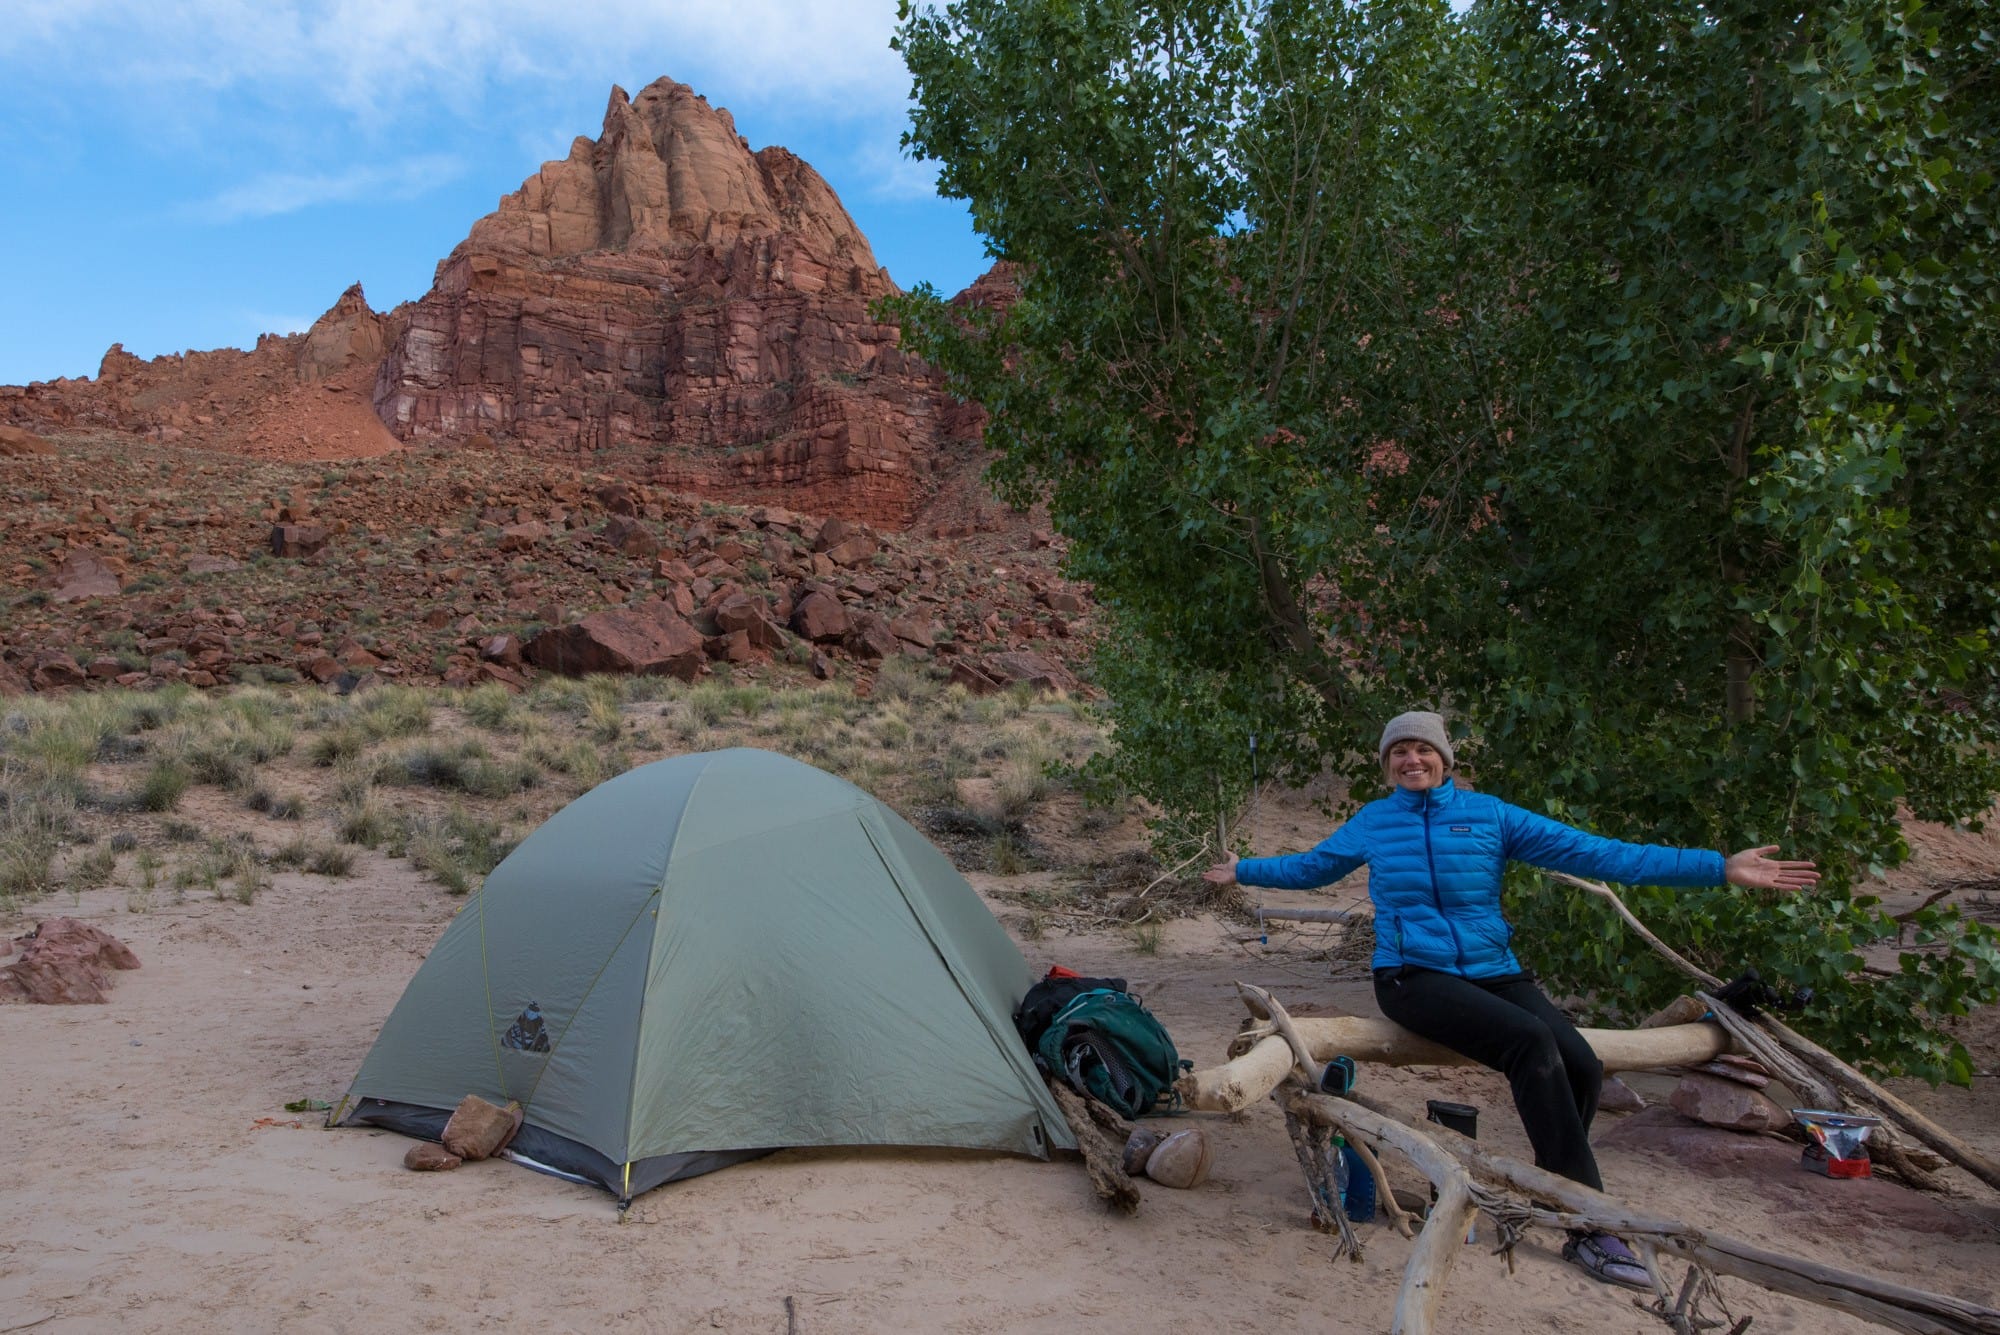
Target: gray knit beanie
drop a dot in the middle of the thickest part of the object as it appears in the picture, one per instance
(1418, 725)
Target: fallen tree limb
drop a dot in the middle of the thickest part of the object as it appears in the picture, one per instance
(1544, 1198)
(1104, 1161)
(1251, 1075)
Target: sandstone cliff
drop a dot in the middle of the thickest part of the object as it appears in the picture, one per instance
(683, 310)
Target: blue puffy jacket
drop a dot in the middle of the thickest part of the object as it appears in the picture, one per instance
(1435, 860)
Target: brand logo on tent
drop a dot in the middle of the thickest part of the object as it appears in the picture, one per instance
(528, 1033)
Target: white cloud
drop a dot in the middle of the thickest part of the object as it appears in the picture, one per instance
(369, 58)
(288, 192)
(881, 169)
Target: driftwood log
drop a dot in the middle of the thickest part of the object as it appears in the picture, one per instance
(1266, 1059)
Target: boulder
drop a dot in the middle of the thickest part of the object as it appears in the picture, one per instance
(1037, 670)
(820, 618)
(920, 631)
(853, 551)
(972, 678)
(625, 641)
(630, 536)
(1070, 604)
(616, 498)
(747, 613)
(349, 335)
(868, 636)
(18, 443)
(202, 563)
(298, 539)
(502, 649)
(54, 670)
(64, 962)
(84, 575)
(521, 537)
(1726, 1104)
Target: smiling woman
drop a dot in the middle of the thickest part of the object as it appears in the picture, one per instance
(1444, 963)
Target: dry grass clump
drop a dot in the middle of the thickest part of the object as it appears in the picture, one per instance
(458, 849)
(462, 766)
(225, 868)
(315, 856)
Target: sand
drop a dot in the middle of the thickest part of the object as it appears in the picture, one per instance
(151, 1181)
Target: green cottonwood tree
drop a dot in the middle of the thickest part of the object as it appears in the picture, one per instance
(1624, 379)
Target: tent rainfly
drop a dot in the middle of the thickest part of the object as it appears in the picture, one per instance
(706, 959)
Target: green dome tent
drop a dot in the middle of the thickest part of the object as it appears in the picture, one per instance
(708, 958)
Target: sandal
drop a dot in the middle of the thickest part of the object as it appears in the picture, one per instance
(1605, 1257)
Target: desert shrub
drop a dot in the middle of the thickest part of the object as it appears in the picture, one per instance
(1006, 855)
(557, 695)
(393, 711)
(491, 707)
(33, 827)
(166, 782)
(457, 849)
(462, 766)
(909, 680)
(585, 764)
(91, 869)
(315, 856)
(365, 822)
(226, 868)
(330, 748)
(604, 719)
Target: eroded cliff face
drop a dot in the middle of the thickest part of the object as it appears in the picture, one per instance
(683, 310)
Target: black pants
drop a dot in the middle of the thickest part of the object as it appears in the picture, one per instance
(1507, 1024)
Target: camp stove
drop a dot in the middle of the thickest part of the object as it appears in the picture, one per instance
(1840, 1142)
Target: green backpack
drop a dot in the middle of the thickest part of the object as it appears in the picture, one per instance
(1108, 1045)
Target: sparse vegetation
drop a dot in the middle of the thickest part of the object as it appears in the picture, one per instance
(449, 780)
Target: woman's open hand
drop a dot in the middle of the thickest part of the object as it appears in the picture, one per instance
(1222, 873)
(1755, 869)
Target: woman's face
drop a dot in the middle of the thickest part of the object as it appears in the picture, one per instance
(1414, 765)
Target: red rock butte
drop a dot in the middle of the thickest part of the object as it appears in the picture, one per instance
(670, 304)
(663, 303)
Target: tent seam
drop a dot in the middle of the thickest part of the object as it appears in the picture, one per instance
(660, 894)
(999, 1040)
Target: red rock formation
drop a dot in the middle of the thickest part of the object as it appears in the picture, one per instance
(349, 335)
(688, 312)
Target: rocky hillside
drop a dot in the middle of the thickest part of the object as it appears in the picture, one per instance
(140, 563)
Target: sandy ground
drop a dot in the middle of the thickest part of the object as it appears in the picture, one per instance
(152, 1182)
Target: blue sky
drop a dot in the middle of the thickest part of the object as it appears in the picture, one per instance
(190, 174)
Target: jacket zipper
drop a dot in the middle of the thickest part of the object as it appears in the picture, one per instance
(1437, 898)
